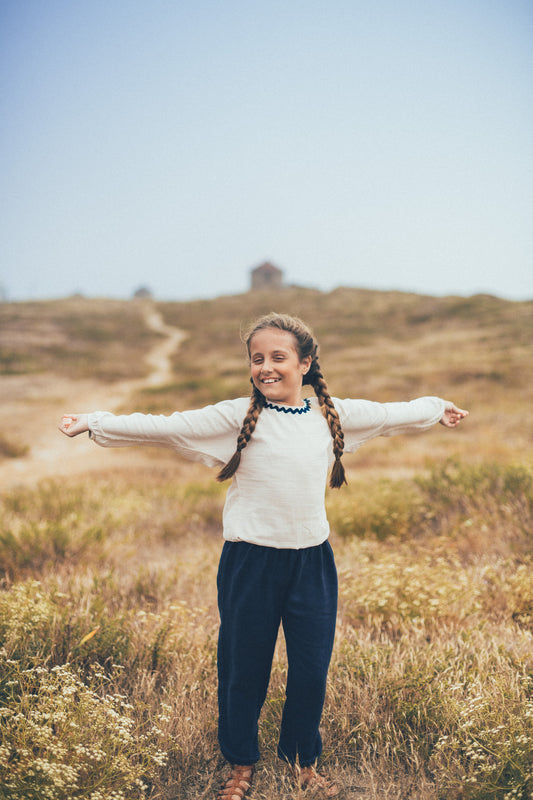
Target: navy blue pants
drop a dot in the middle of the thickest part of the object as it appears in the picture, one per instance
(259, 588)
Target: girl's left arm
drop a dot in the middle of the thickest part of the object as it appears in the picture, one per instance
(362, 420)
(452, 415)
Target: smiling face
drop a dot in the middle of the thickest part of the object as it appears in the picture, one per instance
(275, 366)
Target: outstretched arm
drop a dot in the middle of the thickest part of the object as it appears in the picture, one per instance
(452, 415)
(74, 424)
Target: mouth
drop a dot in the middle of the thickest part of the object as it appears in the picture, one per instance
(268, 381)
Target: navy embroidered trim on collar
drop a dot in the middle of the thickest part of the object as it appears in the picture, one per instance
(290, 409)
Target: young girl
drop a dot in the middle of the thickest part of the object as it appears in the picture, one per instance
(277, 565)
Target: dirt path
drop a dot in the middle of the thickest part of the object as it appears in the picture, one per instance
(31, 406)
(159, 358)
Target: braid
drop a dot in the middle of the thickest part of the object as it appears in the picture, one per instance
(316, 379)
(257, 402)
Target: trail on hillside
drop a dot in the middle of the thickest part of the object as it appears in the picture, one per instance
(31, 406)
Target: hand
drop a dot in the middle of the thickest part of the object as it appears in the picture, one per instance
(452, 415)
(73, 424)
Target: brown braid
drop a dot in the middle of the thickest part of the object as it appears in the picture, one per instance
(257, 402)
(316, 380)
(306, 346)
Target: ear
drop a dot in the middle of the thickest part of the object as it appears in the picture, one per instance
(306, 364)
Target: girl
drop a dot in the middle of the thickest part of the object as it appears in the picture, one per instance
(277, 565)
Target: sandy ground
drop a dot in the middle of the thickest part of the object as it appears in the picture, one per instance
(31, 407)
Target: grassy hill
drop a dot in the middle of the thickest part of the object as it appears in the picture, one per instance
(370, 341)
(103, 339)
(379, 345)
(108, 612)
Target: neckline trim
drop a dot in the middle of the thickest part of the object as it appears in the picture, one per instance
(291, 409)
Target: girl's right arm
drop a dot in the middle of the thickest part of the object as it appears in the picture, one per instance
(74, 424)
(207, 434)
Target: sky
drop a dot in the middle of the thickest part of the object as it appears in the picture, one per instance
(177, 144)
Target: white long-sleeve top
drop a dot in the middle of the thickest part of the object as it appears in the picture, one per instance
(276, 497)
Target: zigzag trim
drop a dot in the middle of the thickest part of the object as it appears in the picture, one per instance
(288, 410)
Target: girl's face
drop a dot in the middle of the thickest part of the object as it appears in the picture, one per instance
(275, 366)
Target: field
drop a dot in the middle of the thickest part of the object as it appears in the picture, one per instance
(108, 559)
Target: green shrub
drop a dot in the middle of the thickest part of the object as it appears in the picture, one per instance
(62, 738)
(453, 484)
(453, 707)
(49, 525)
(487, 749)
(383, 509)
(447, 500)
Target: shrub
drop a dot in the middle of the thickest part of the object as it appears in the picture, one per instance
(12, 449)
(466, 502)
(62, 738)
(487, 748)
(383, 509)
(48, 525)
(456, 708)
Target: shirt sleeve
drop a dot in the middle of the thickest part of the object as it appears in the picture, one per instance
(362, 420)
(208, 435)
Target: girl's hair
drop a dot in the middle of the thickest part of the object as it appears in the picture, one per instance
(306, 346)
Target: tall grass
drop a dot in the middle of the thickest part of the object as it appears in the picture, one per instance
(108, 616)
(108, 627)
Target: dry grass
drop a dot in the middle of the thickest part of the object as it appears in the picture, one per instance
(109, 600)
(108, 618)
(103, 339)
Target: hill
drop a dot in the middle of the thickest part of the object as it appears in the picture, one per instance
(379, 345)
(108, 606)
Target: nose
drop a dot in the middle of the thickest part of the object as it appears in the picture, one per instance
(266, 367)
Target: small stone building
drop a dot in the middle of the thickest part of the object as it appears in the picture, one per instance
(142, 293)
(266, 276)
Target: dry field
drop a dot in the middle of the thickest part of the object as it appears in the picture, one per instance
(108, 559)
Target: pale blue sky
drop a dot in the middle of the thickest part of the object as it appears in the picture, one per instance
(177, 144)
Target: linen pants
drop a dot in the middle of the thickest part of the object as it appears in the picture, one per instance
(259, 587)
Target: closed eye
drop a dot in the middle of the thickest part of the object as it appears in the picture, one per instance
(258, 358)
